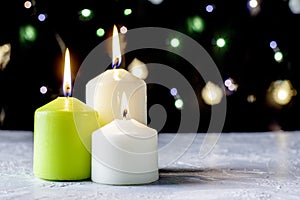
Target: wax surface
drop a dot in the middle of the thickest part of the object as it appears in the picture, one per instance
(104, 93)
(62, 139)
(124, 152)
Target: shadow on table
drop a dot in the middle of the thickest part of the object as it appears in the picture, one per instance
(197, 176)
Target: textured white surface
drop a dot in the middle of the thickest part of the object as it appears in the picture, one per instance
(241, 166)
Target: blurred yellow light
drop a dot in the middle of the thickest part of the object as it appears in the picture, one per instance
(27, 4)
(251, 98)
(138, 69)
(212, 94)
(282, 91)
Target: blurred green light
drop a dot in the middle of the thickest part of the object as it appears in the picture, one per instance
(175, 42)
(28, 33)
(127, 11)
(86, 14)
(179, 104)
(196, 24)
(278, 56)
(100, 32)
(221, 42)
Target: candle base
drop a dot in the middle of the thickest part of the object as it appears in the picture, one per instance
(109, 176)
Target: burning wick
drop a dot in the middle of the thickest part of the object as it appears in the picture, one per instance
(68, 91)
(116, 63)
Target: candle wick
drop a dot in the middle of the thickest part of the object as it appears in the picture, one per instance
(116, 62)
(125, 113)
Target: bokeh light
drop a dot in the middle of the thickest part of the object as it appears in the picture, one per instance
(27, 33)
(42, 17)
(86, 14)
(179, 103)
(175, 42)
(127, 11)
(221, 42)
(294, 6)
(43, 89)
(173, 92)
(156, 2)
(195, 24)
(209, 8)
(273, 44)
(123, 29)
(281, 92)
(138, 69)
(251, 98)
(278, 56)
(27, 4)
(211, 93)
(253, 3)
(100, 32)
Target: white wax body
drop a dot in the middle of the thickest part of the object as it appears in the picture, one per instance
(104, 94)
(124, 152)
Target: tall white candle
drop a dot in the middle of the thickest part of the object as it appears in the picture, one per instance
(104, 92)
(124, 152)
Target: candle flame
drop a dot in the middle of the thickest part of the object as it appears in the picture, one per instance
(116, 49)
(67, 86)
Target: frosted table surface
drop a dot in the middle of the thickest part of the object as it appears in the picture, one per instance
(240, 166)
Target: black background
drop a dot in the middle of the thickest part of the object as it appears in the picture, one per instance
(247, 58)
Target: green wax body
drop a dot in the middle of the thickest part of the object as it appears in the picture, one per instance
(62, 139)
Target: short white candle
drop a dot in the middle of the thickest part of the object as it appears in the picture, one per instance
(124, 152)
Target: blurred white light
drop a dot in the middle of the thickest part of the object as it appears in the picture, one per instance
(156, 2)
(173, 92)
(179, 104)
(232, 87)
(43, 89)
(228, 82)
(273, 44)
(175, 42)
(212, 94)
(253, 3)
(123, 29)
(254, 7)
(209, 8)
(294, 6)
(282, 94)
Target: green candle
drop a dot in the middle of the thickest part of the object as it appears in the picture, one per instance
(62, 138)
(62, 132)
